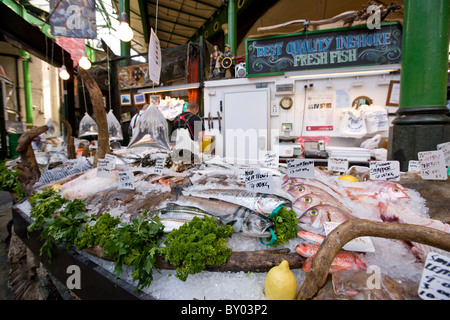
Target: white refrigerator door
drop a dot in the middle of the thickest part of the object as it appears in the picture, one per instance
(246, 125)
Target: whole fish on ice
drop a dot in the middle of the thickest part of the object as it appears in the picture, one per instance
(261, 202)
(344, 260)
(311, 200)
(174, 216)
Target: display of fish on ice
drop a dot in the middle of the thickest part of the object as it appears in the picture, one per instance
(380, 190)
(261, 202)
(312, 219)
(398, 212)
(344, 260)
(89, 182)
(242, 219)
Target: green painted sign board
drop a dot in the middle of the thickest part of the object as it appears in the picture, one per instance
(324, 49)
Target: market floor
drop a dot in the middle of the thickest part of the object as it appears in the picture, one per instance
(6, 202)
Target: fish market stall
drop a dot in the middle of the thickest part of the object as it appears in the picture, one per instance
(216, 188)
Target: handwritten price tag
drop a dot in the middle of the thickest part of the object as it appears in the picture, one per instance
(271, 160)
(384, 170)
(159, 165)
(414, 166)
(432, 165)
(338, 164)
(300, 168)
(126, 180)
(445, 147)
(256, 181)
(103, 168)
(435, 281)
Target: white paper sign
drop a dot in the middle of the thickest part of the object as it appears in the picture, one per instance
(445, 147)
(432, 165)
(159, 165)
(271, 159)
(126, 180)
(435, 281)
(384, 170)
(361, 244)
(300, 168)
(338, 164)
(154, 58)
(103, 168)
(111, 161)
(414, 166)
(257, 181)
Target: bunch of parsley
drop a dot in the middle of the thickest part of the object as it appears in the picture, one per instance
(197, 244)
(43, 205)
(98, 233)
(65, 227)
(9, 181)
(286, 226)
(137, 245)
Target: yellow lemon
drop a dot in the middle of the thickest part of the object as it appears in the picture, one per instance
(56, 186)
(280, 283)
(348, 178)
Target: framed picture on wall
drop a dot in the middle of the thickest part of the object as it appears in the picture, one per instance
(139, 98)
(393, 97)
(125, 99)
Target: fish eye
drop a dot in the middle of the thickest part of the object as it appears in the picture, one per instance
(307, 199)
(313, 212)
(301, 189)
(395, 189)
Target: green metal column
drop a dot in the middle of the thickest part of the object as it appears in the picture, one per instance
(421, 123)
(425, 54)
(124, 6)
(27, 88)
(232, 25)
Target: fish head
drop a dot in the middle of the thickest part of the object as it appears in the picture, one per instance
(311, 219)
(257, 225)
(307, 201)
(306, 250)
(395, 193)
(297, 191)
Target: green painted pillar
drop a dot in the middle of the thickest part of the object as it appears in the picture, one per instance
(232, 25)
(27, 88)
(421, 123)
(124, 6)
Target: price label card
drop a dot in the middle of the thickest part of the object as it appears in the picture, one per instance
(159, 165)
(256, 181)
(111, 159)
(432, 165)
(126, 180)
(414, 166)
(271, 160)
(300, 168)
(103, 168)
(361, 244)
(338, 164)
(445, 147)
(384, 170)
(435, 281)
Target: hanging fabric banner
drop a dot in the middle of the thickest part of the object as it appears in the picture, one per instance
(73, 18)
(154, 58)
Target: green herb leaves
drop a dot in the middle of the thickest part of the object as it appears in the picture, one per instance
(285, 226)
(197, 244)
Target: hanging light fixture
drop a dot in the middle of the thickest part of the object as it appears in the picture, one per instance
(63, 74)
(124, 30)
(84, 62)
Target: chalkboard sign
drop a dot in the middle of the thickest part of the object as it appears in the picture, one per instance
(344, 47)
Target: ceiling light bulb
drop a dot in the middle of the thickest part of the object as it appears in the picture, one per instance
(84, 63)
(125, 32)
(63, 74)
